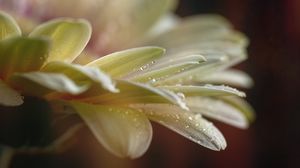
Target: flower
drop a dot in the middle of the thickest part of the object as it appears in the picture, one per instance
(147, 83)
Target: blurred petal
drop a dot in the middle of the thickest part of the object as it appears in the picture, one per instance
(217, 109)
(131, 92)
(167, 22)
(122, 23)
(202, 28)
(206, 90)
(242, 105)
(210, 36)
(22, 54)
(122, 131)
(39, 83)
(8, 26)
(81, 74)
(68, 37)
(229, 77)
(121, 63)
(189, 125)
(8, 96)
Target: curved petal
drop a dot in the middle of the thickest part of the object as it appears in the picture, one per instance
(131, 92)
(205, 90)
(201, 28)
(122, 131)
(22, 54)
(8, 96)
(8, 26)
(217, 109)
(189, 125)
(230, 77)
(121, 63)
(165, 68)
(81, 74)
(68, 37)
(240, 104)
(201, 71)
(39, 83)
(156, 75)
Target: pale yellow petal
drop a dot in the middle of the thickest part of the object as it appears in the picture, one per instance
(189, 125)
(165, 68)
(40, 84)
(131, 92)
(205, 90)
(217, 109)
(121, 63)
(122, 131)
(22, 54)
(68, 37)
(8, 26)
(230, 77)
(242, 105)
(82, 74)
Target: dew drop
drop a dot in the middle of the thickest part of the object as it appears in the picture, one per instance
(181, 95)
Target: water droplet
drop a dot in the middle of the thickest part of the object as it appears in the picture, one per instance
(153, 80)
(181, 95)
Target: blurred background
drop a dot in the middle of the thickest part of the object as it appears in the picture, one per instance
(273, 140)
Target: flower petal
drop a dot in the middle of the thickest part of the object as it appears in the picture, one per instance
(123, 23)
(8, 96)
(205, 90)
(22, 54)
(202, 28)
(189, 125)
(240, 104)
(165, 68)
(68, 37)
(8, 26)
(217, 109)
(131, 92)
(230, 77)
(122, 131)
(201, 71)
(39, 83)
(121, 63)
(156, 75)
(81, 74)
